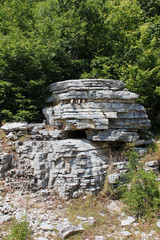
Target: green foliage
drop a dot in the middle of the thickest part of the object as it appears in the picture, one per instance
(20, 230)
(54, 40)
(141, 189)
(142, 194)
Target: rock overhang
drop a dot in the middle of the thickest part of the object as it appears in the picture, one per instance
(104, 108)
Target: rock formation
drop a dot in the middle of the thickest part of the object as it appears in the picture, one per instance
(103, 109)
(91, 121)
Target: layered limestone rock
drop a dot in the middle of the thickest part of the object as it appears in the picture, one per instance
(71, 166)
(104, 109)
(5, 161)
(91, 120)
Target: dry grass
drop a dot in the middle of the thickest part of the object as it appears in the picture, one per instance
(48, 127)
(106, 222)
(154, 153)
(4, 146)
(96, 207)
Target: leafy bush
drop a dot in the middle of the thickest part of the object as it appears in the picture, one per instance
(20, 230)
(142, 194)
(141, 190)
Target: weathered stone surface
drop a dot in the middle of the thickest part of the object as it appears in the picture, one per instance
(152, 164)
(46, 226)
(9, 127)
(66, 230)
(127, 221)
(112, 135)
(71, 166)
(5, 218)
(113, 178)
(97, 104)
(85, 84)
(5, 160)
(126, 233)
(158, 223)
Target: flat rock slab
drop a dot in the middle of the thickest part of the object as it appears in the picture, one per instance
(126, 233)
(99, 238)
(127, 221)
(46, 226)
(8, 127)
(66, 230)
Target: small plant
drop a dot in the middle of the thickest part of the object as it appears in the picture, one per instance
(19, 230)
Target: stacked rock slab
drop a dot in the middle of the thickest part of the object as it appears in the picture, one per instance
(104, 109)
(92, 120)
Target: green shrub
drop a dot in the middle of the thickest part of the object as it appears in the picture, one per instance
(19, 230)
(142, 194)
(141, 190)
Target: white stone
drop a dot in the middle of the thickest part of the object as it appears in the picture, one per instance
(99, 238)
(9, 127)
(152, 232)
(113, 178)
(46, 226)
(66, 230)
(158, 223)
(128, 221)
(5, 218)
(114, 206)
(152, 164)
(126, 233)
(82, 218)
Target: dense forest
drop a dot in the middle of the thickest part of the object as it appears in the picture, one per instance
(44, 41)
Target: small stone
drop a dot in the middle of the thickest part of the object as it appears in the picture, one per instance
(135, 224)
(53, 233)
(112, 178)
(5, 218)
(126, 233)
(46, 226)
(66, 230)
(19, 215)
(114, 206)
(11, 136)
(152, 164)
(143, 235)
(127, 221)
(136, 233)
(99, 238)
(152, 232)
(158, 223)
(82, 218)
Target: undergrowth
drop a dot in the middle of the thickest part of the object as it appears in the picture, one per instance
(140, 190)
(19, 230)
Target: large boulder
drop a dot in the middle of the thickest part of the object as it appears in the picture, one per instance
(101, 107)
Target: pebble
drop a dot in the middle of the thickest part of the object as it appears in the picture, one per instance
(126, 233)
(127, 221)
(99, 238)
(46, 227)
